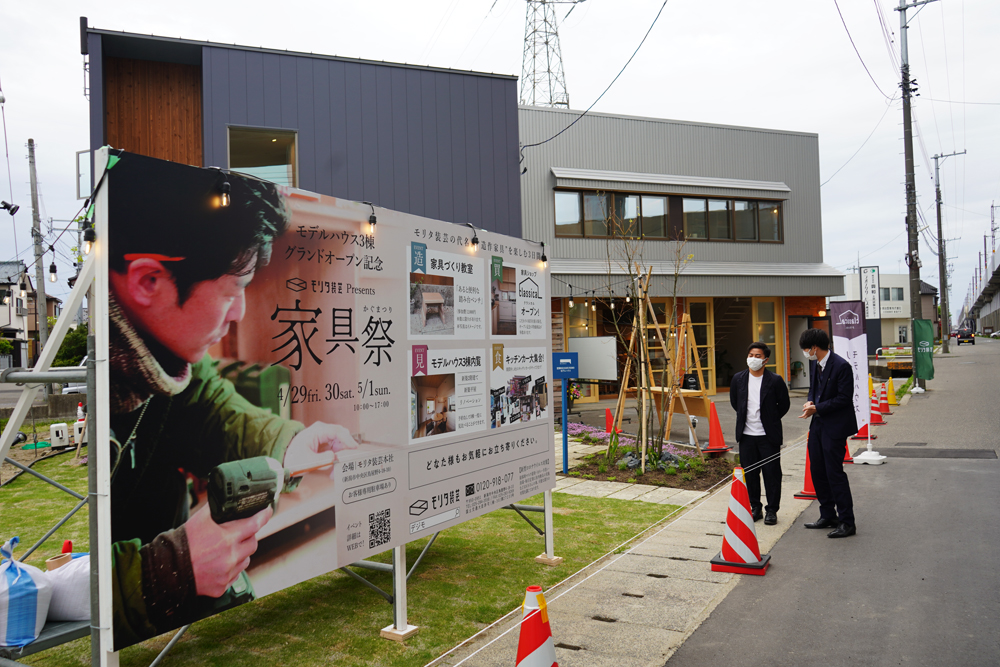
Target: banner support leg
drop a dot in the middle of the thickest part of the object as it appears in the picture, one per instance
(549, 557)
(400, 630)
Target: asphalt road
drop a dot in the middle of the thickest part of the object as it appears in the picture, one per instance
(920, 582)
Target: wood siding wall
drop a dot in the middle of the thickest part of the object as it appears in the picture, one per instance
(154, 109)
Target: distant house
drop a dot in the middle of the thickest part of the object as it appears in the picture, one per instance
(14, 310)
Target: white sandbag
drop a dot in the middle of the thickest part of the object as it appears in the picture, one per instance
(25, 593)
(71, 591)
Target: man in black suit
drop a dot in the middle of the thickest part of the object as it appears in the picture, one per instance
(831, 406)
(760, 399)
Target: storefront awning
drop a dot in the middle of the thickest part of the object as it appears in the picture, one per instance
(670, 183)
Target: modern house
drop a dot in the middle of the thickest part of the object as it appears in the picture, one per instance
(433, 142)
(732, 212)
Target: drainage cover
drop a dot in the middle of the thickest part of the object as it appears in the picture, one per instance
(941, 453)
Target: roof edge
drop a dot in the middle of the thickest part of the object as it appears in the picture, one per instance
(286, 52)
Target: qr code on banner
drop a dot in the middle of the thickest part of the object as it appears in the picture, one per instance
(378, 528)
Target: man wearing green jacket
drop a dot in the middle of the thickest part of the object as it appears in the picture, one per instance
(181, 257)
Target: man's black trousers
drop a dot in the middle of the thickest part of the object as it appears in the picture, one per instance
(833, 490)
(753, 450)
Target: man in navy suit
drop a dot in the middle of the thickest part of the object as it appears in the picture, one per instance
(831, 406)
(760, 399)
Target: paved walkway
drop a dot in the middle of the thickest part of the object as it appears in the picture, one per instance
(636, 608)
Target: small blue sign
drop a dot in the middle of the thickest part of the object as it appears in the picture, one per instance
(565, 365)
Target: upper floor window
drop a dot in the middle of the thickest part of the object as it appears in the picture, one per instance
(618, 214)
(610, 214)
(891, 293)
(707, 219)
(265, 154)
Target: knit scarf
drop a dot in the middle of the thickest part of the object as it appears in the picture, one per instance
(140, 368)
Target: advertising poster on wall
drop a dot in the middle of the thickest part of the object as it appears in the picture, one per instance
(850, 341)
(294, 389)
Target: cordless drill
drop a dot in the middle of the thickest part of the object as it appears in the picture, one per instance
(240, 489)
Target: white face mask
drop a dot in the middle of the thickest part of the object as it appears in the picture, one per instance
(810, 357)
(755, 364)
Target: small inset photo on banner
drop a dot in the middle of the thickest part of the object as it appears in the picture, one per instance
(432, 304)
(503, 299)
(432, 401)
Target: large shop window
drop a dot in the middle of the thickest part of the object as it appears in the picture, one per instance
(624, 215)
(604, 215)
(265, 154)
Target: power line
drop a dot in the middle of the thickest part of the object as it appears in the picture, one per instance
(6, 148)
(577, 119)
(887, 107)
(856, 50)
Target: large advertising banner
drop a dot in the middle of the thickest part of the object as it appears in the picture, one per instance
(850, 341)
(298, 382)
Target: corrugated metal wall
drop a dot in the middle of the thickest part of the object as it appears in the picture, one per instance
(437, 144)
(673, 147)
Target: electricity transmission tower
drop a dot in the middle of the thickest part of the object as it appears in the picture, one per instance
(543, 83)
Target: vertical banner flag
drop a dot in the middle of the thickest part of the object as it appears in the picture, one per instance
(331, 389)
(871, 296)
(923, 342)
(851, 342)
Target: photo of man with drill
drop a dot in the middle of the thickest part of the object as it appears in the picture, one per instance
(181, 255)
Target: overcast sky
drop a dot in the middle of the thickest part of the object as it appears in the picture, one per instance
(785, 64)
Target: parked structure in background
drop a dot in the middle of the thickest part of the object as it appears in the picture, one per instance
(743, 201)
(429, 141)
(982, 309)
(895, 305)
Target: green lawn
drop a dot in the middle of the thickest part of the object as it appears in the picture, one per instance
(473, 574)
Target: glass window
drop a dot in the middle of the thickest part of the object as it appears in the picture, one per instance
(745, 218)
(695, 219)
(654, 216)
(770, 225)
(626, 215)
(595, 215)
(568, 214)
(718, 220)
(897, 293)
(765, 332)
(265, 154)
(765, 311)
(884, 293)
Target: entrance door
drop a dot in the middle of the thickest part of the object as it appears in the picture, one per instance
(701, 312)
(768, 326)
(583, 324)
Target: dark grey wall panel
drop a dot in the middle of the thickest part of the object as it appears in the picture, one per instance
(434, 143)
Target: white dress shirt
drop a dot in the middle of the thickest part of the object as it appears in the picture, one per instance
(753, 425)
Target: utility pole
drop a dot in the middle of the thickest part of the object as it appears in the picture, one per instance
(913, 243)
(41, 303)
(942, 257)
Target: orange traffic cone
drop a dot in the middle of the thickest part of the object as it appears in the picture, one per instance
(609, 421)
(808, 492)
(847, 455)
(740, 552)
(535, 647)
(883, 400)
(863, 434)
(876, 416)
(716, 441)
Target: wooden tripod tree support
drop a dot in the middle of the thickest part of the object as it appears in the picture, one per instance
(673, 392)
